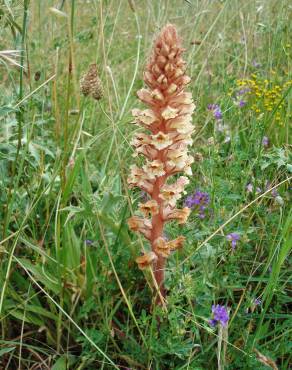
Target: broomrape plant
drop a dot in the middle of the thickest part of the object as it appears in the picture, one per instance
(165, 148)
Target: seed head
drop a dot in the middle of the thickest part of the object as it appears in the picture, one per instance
(90, 84)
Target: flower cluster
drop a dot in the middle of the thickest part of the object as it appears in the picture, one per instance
(167, 120)
(198, 201)
(264, 95)
(220, 315)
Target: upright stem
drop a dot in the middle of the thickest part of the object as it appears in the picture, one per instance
(19, 114)
(157, 231)
(159, 277)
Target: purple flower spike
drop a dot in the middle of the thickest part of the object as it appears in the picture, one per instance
(233, 237)
(241, 103)
(220, 315)
(199, 202)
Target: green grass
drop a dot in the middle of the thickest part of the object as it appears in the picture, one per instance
(70, 304)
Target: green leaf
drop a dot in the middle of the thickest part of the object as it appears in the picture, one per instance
(26, 317)
(41, 275)
(6, 109)
(3, 351)
(64, 363)
(71, 249)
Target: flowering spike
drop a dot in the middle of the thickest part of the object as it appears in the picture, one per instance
(165, 148)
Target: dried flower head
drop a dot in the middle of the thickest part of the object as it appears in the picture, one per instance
(90, 84)
(167, 120)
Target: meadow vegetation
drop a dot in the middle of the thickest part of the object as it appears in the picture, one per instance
(72, 296)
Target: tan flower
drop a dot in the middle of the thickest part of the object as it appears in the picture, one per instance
(181, 182)
(157, 95)
(169, 195)
(176, 243)
(184, 139)
(137, 176)
(162, 80)
(169, 113)
(179, 162)
(181, 215)
(146, 260)
(161, 141)
(183, 98)
(154, 169)
(140, 139)
(149, 208)
(149, 79)
(172, 89)
(161, 248)
(177, 159)
(141, 225)
(182, 124)
(145, 96)
(187, 109)
(144, 117)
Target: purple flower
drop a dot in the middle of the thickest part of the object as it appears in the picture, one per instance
(88, 242)
(198, 201)
(243, 91)
(213, 106)
(249, 189)
(265, 141)
(220, 315)
(241, 103)
(216, 111)
(233, 238)
(274, 192)
(257, 301)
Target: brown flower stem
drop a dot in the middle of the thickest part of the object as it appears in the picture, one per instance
(157, 231)
(159, 277)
